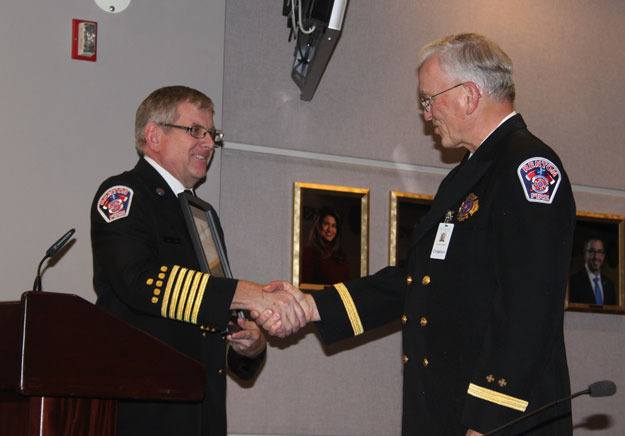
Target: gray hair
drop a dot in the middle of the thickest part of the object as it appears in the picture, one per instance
(161, 107)
(469, 57)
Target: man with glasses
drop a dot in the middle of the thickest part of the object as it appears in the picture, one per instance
(146, 271)
(588, 285)
(481, 297)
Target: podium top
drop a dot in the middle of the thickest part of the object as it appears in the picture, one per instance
(57, 344)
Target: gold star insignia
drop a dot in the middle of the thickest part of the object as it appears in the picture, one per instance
(490, 378)
(502, 382)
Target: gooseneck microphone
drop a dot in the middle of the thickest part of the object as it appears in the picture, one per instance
(50, 253)
(603, 388)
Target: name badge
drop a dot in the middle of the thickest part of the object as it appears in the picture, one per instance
(441, 242)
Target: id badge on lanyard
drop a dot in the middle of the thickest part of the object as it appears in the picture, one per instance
(443, 238)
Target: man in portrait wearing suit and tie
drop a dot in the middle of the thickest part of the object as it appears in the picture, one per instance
(588, 285)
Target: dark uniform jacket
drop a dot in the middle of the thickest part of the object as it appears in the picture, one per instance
(483, 328)
(146, 272)
(581, 289)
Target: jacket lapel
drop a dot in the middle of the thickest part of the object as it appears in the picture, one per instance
(458, 185)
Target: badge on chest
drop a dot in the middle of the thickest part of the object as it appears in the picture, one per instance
(467, 209)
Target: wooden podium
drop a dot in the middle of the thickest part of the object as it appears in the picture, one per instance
(64, 364)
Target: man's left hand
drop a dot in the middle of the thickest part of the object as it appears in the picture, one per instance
(473, 433)
(249, 341)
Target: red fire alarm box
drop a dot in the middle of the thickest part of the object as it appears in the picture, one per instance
(84, 40)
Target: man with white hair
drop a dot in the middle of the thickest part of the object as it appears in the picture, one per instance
(481, 296)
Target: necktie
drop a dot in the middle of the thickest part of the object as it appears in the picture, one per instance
(598, 296)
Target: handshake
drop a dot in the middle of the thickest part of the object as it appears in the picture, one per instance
(279, 307)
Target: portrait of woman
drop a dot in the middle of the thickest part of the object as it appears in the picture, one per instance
(324, 260)
(330, 234)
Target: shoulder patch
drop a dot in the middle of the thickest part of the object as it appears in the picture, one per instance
(540, 179)
(115, 203)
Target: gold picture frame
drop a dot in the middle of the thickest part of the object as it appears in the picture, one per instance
(347, 254)
(596, 233)
(405, 209)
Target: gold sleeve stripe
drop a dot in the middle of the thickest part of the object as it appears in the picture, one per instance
(191, 299)
(198, 299)
(350, 308)
(170, 282)
(183, 296)
(175, 295)
(497, 398)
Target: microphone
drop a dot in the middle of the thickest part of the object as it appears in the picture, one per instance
(603, 388)
(50, 253)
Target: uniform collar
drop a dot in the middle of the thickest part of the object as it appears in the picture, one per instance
(174, 183)
(506, 118)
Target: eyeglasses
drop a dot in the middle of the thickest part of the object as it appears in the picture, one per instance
(200, 132)
(593, 252)
(426, 101)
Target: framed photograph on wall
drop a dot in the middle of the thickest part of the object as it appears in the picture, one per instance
(202, 225)
(596, 280)
(405, 211)
(330, 234)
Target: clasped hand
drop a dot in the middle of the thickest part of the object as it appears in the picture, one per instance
(287, 309)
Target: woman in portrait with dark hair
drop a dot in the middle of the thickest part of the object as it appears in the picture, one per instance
(323, 260)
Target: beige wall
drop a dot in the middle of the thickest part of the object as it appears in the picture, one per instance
(66, 125)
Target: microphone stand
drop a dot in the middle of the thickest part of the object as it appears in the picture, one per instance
(50, 253)
(598, 389)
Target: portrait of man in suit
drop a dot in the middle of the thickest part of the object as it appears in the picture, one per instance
(589, 285)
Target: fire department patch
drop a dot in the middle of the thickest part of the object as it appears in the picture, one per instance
(115, 203)
(540, 179)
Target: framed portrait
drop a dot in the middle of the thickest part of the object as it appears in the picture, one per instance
(330, 234)
(201, 222)
(405, 211)
(596, 280)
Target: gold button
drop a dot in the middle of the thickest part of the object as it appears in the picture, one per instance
(159, 283)
(163, 269)
(423, 321)
(409, 280)
(426, 362)
(157, 291)
(426, 280)
(404, 359)
(154, 300)
(404, 319)
(149, 281)
(161, 275)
